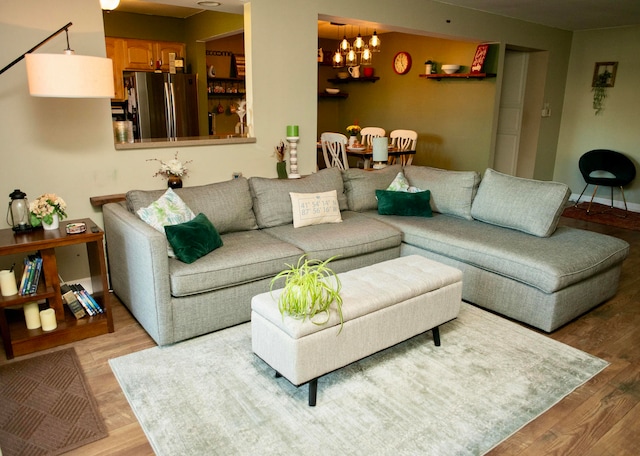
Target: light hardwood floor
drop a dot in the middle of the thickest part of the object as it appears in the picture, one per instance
(600, 418)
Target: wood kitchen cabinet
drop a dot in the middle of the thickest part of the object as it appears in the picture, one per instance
(130, 54)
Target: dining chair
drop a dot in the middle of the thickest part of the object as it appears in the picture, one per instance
(334, 150)
(403, 140)
(368, 133)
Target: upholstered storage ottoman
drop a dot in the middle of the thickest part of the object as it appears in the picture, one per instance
(383, 304)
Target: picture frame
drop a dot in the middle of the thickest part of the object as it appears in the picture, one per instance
(599, 70)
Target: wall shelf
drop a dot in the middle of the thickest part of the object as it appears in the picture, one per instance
(333, 95)
(440, 76)
(350, 79)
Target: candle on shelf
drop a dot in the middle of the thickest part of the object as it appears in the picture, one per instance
(48, 319)
(380, 152)
(292, 131)
(8, 285)
(32, 315)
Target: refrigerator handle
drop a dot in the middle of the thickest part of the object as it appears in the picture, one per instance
(174, 123)
(167, 107)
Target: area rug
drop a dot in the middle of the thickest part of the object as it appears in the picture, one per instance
(604, 215)
(46, 406)
(212, 395)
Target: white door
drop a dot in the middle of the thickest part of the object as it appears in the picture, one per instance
(510, 113)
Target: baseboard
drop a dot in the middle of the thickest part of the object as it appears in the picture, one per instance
(634, 207)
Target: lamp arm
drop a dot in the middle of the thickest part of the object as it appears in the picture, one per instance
(63, 29)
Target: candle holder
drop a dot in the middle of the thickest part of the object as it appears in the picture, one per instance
(293, 156)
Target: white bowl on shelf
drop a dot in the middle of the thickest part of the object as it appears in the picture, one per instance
(450, 69)
(332, 91)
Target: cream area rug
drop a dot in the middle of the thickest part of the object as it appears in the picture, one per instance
(212, 395)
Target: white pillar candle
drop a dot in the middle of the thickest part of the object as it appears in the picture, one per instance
(48, 319)
(8, 285)
(32, 315)
(380, 151)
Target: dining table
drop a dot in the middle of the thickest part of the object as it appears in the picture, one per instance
(366, 154)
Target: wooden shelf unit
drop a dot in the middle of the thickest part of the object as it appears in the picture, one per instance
(17, 339)
(350, 79)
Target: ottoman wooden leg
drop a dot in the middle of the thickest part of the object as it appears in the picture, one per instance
(313, 392)
(436, 335)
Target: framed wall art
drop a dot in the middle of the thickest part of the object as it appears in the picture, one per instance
(604, 74)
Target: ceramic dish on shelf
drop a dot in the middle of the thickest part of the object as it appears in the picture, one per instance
(356, 149)
(450, 69)
(332, 91)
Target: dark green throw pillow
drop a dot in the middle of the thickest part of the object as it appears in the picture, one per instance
(193, 239)
(404, 203)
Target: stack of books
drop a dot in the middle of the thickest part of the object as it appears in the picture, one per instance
(31, 275)
(80, 300)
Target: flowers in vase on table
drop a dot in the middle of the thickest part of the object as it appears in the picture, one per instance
(44, 207)
(353, 129)
(172, 167)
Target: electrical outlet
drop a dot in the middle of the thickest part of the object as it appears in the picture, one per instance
(237, 174)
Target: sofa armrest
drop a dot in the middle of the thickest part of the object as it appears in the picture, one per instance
(139, 270)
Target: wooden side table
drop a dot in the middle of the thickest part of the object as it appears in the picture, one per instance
(17, 339)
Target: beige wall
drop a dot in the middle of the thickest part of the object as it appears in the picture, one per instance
(66, 146)
(617, 127)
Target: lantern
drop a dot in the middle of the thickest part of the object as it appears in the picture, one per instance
(18, 212)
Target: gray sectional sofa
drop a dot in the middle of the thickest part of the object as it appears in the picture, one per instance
(500, 231)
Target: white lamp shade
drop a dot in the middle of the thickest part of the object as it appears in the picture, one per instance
(380, 149)
(109, 4)
(69, 76)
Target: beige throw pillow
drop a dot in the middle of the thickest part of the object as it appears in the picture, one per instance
(315, 208)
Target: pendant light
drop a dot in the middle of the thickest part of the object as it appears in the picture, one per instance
(374, 42)
(358, 44)
(338, 60)
(344, 44)
(352, 58)
(366, 57)
(109, 5)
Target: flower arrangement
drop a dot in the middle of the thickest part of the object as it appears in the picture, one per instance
(353, 129)
(279, 152)
(45, 206)
(173, 167)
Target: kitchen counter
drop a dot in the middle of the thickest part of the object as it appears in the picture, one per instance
(214, 140)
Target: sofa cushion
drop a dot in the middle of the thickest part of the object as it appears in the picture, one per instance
(360, 186)
(247, 256)
(315, 208)
(227, 205)
(542, 263)
(527, 205)
(452, 192)
(193, 239)
(271, 200)
(404, 203)
(356, 235)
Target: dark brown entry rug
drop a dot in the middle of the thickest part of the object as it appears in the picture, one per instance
(46, 406)
(604, 215)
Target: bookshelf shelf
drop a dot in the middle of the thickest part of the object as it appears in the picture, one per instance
(17, 339)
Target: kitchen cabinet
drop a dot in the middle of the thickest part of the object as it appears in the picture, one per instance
(17, 339)
(130, 54)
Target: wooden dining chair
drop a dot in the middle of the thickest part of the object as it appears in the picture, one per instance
(368, 133)
(334, 150)
(403, 140)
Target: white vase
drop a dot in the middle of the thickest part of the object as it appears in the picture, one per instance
(352, 140)
(54, 225)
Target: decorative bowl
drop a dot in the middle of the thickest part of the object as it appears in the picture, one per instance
(450, 69)
(343, 75)
(332, 91)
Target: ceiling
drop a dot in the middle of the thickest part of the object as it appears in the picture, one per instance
(564, 14)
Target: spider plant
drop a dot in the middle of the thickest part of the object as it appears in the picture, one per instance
(310, 287)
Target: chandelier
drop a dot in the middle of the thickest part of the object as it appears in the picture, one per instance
(360, 52)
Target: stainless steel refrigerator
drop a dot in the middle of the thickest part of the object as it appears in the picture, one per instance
(162, 105)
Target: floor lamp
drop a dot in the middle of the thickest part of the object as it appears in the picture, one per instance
(66, 75)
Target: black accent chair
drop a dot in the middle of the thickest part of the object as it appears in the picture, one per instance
(615, 163)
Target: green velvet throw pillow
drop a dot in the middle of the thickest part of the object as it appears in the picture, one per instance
(194, 239)
(404, 203)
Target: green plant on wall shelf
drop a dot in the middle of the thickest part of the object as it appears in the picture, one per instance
(604, 76)
(600, 91)
(310, 289)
